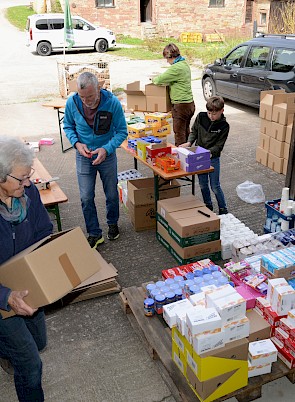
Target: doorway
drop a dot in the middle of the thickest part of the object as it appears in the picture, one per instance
(145, 10)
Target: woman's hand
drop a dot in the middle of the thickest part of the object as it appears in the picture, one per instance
(18, 305)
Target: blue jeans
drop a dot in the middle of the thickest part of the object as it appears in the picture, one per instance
(21, 339)
(214, 184)
(86, 173)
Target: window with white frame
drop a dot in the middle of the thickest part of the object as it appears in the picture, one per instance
(263, 16)
(216, 3)
(104, 3)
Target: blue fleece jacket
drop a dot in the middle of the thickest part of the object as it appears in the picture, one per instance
(15, 238)
(110, 130)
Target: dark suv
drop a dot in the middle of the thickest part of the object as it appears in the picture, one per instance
(263, 63)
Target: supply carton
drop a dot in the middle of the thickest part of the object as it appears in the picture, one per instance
(275, 163)
(157, 98)
(154, 150)
(156, 119)
(276, 147)
(216, 387)
(261, 156)
(265, 126)
(267, 100)
(259, 327)
(135, 96)
(262, 352)
(278, 131)
(50, 268)
(264, 141)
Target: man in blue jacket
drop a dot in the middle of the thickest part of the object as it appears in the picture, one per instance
(95, 125)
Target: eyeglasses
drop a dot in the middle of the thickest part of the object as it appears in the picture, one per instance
(21, 181)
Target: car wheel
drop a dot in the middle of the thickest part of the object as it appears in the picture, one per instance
(208, 88)
(101, 46)
(44, 49)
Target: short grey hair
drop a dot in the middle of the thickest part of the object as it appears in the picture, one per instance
(86, 79)
(13, 152)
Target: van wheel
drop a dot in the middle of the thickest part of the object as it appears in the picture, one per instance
(101, 46)
(44, 49)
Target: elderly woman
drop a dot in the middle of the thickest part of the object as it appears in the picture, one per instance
(23, 221)
(178, 77)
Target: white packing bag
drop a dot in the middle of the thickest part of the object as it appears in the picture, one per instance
(250, 192)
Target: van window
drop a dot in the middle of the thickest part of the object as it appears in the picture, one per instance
(283, 60)
(41, 24)
(56, 23)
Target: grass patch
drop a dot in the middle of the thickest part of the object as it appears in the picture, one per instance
(18, 15)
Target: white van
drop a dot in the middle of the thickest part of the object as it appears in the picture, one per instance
(46, 34)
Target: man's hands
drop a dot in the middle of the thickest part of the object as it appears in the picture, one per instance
(185, 145)
(18, 305)
(84, 151)
(101, 155)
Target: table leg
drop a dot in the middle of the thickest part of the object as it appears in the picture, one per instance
(60, 116)
(156, 189)
(54, 209)
(193, 184)
(135, 163)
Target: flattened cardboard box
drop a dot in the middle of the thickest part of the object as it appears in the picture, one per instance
(50, 268)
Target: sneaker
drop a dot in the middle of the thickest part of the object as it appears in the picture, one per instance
(223, 211)
(209, 207)
(94, 241)
(7, 366)
(113, 232)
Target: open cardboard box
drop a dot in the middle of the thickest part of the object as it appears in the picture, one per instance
(50, 268)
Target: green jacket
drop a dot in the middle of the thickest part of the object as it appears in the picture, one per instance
(178, 77)
(209, 134)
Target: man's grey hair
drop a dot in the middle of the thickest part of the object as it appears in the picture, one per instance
(13, 152)
(86, 79)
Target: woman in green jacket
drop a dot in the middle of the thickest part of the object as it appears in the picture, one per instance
(178, 77)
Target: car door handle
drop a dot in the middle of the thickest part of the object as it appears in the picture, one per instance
(261, 78)
(235, 75)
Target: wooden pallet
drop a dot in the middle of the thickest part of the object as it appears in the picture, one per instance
(157, 338)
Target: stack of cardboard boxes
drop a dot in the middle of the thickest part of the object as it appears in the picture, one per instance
(188, 229)
(152, 99)
(141, 201)
(277, 110)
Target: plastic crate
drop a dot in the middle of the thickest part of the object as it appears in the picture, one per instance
(69, 72)
(272, 212)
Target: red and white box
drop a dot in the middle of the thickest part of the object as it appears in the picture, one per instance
(46, 141)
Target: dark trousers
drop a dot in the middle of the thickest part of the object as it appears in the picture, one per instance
(21, 339)
(182, 114)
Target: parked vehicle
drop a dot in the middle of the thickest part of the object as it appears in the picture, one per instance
(263, 63)
(46, 34)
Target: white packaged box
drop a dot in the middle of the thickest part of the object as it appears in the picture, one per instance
(203, 320)
(262, 352)
(236, 330)
(169, 311)
(218, 293)
(181, 318)
(231, 307)
(258, 370)
(291, 317)
(204, 342)
(272, 283)
(198, 299)
(283, 299)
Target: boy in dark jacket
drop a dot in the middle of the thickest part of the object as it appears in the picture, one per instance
(210, 131)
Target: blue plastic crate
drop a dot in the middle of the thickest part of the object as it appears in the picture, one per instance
(273, 214)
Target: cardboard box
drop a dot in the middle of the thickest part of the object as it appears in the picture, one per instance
(258, 370)
(143, 217)
(282, 110)
(259, 327)
(216, 387)
(157, 98)
(265, 126)
(232, 356)
(50, 268)
(285, 166)
(289, 129)
(276, 147)
(154, 150)
(181, 203)
(179, 358)
(278, 131)
(135, 96)
(261, 156)
(262, 352)
(156, 119)
(286, 150)
(267, 100)
(275, 163)
(141, 191)
(192, 222)
(264, 141)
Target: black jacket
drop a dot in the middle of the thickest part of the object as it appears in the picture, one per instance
(209, 134)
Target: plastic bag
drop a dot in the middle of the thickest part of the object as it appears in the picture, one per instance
(250, 192)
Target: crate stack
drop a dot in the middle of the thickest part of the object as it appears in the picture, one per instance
(277, 110)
